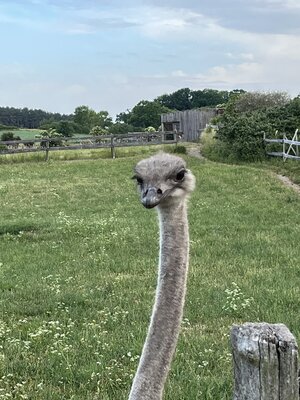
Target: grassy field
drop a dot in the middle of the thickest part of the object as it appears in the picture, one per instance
(29, 133)
(23, 133)
(78, 257)
(88, 154)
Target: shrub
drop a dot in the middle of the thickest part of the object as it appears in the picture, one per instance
(98, 130)
(243, 135)
(50, 133)
(6, 136)
(251, 101)
(150, 129)
(240, 133)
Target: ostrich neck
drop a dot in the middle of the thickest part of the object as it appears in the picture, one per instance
(168, 307)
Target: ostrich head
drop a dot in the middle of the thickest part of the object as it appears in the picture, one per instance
(163, 180)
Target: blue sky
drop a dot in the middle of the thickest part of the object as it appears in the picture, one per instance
(59, 54)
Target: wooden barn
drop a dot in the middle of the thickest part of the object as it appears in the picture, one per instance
(189, 123)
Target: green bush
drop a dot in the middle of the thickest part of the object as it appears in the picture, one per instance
(6, 136)
(243, 135)
(98, 130)
(240, 133)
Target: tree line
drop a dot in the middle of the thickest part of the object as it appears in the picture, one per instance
(143, 115)
(27, 118)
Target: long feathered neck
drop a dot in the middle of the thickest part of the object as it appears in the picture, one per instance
(167, 312)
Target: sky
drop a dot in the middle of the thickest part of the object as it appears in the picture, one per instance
(58, 54)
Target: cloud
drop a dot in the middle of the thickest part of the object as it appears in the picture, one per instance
(284, 4)
(229, 76)
(111, 54)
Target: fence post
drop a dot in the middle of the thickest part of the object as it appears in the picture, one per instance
(112, 147)
(47, 149)
(265, 360)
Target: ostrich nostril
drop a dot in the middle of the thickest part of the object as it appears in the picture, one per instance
(145, 193)
(159, 191)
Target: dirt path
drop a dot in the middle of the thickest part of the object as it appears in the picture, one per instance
(194, 151)
(287, 182)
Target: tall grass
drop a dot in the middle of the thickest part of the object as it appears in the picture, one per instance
(78, 257)
(87, 154)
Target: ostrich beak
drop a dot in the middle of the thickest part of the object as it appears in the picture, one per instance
(151, 197)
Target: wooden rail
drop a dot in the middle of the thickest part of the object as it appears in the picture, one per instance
(88, 142)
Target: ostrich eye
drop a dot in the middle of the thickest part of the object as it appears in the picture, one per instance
(180, 175)
(139, 180)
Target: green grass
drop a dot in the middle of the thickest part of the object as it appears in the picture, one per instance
(218, 153)
(23, 133)
(89, 154)
(78, 257)
(29, 133)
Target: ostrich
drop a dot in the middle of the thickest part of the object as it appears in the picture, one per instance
(164, 181)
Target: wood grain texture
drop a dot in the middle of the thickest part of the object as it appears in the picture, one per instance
(265, 362)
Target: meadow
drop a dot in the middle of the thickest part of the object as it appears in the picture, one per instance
(27, 134)
(24, 134)
(78, 263)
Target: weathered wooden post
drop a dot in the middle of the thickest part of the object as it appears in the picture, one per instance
(47, 149)
(265, 358)
(112, 147)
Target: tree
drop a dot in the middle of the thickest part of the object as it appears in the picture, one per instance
(185, 99)
(87, 118)
(83, 116)
(208, 97)
(103, 119)
(65, 128)
(123, 116)
(179, 100)
(145, 113)
(27, 118)
(119, 128)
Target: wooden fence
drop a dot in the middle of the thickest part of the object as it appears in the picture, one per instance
(89, 142)
(265, 361)
(290, 147)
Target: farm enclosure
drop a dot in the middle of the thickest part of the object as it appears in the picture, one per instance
(77, 234)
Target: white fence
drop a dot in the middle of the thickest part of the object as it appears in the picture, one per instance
(290, 147)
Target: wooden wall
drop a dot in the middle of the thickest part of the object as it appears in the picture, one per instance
(191, 122)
